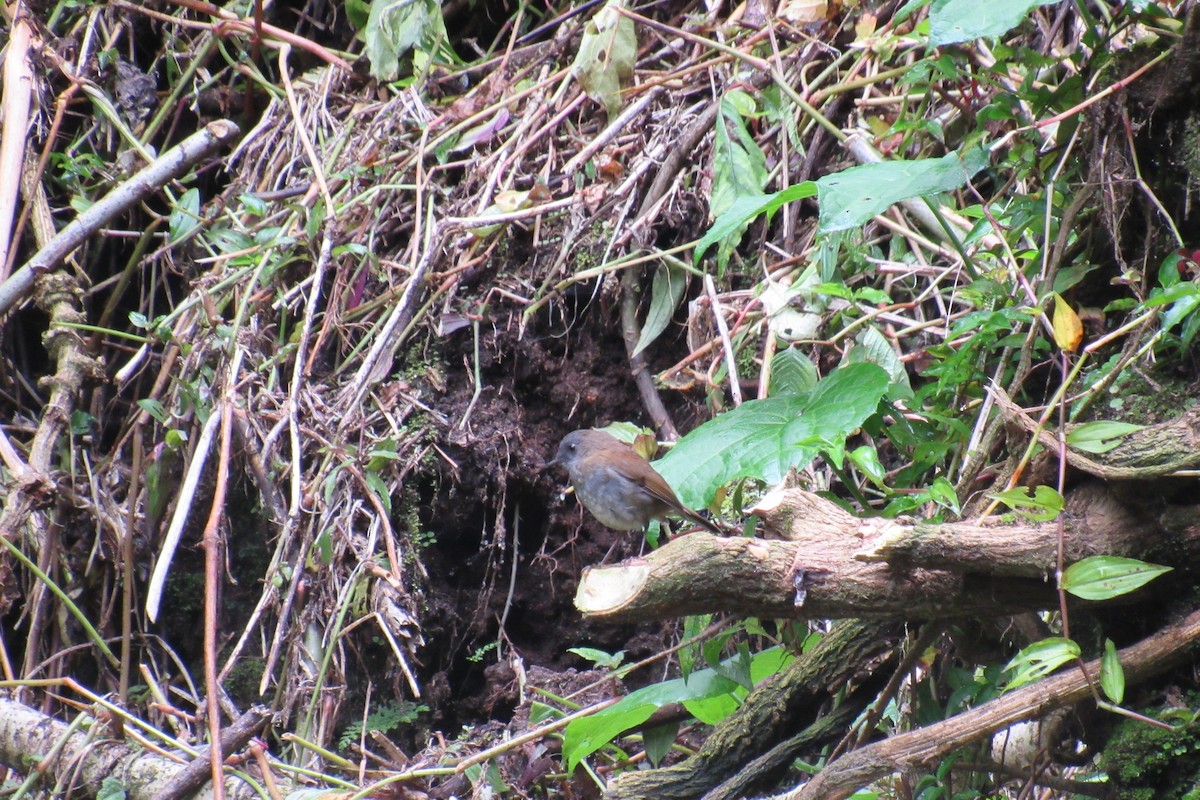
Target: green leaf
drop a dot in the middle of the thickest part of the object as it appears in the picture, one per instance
(358, 12)
(1042, 506)
(379, 488)
(792, 374)
(606, 55)
(599, 657)
(185, 216)
(1106, 577)
(952, 21)
(111, 789)
(1040, 659)
(739, 169)
(586, 735)
(658, 740)
(1112, 676)
(746, 209)
(867, 461)
(713, 710)
(873, 348)
(1100, 436)
(154, 408)
(765, 438)
(665, 294)
(941, 491)
(396, 26)
(853, 196)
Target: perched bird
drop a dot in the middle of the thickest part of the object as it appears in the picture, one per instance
(617, 485)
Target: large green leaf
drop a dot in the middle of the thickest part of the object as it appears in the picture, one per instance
(1106, 577)
(792, 373)
(851, 197)
(739, 167)
(765, 438)
(585, 736)
(953, 21)
(745, 209)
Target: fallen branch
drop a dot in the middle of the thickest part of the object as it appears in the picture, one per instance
(833, 565)
(1168, 648)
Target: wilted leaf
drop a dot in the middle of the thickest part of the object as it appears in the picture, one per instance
(1068, 330)
(606, 56)
(802, 12)
(396, 26)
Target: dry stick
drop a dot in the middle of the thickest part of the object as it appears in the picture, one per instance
(187, 491)
(229, 20)
(841, 777)
(212, 580)
(908, 663)
(629, 324)
(234, 737)
(165, 168)
(18, 89)
(735, 389)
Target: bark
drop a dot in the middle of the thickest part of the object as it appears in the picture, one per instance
(1153, 452)
(80, 758)
(826, 563)
(1164, 650)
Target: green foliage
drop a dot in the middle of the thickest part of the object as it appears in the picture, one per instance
(1040, 659)
(1100, 436)
(185, 216)
(1042, 504)
(394, 27)
(739, 166)
(1106, 577)
(953, 21)
(853, 196)
(1146, 761)
(1178, 300)
(792, 374)
(765, 438)
(709, 694)
(111, 789)
(1112, 676)
(599, 657)
(665, 294)
(385, 718)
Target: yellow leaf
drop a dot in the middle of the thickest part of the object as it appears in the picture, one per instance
(1068, 330)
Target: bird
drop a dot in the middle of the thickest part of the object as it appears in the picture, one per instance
(617, 485)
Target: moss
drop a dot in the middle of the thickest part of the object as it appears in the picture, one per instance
(1152, 763)
(242, 681)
